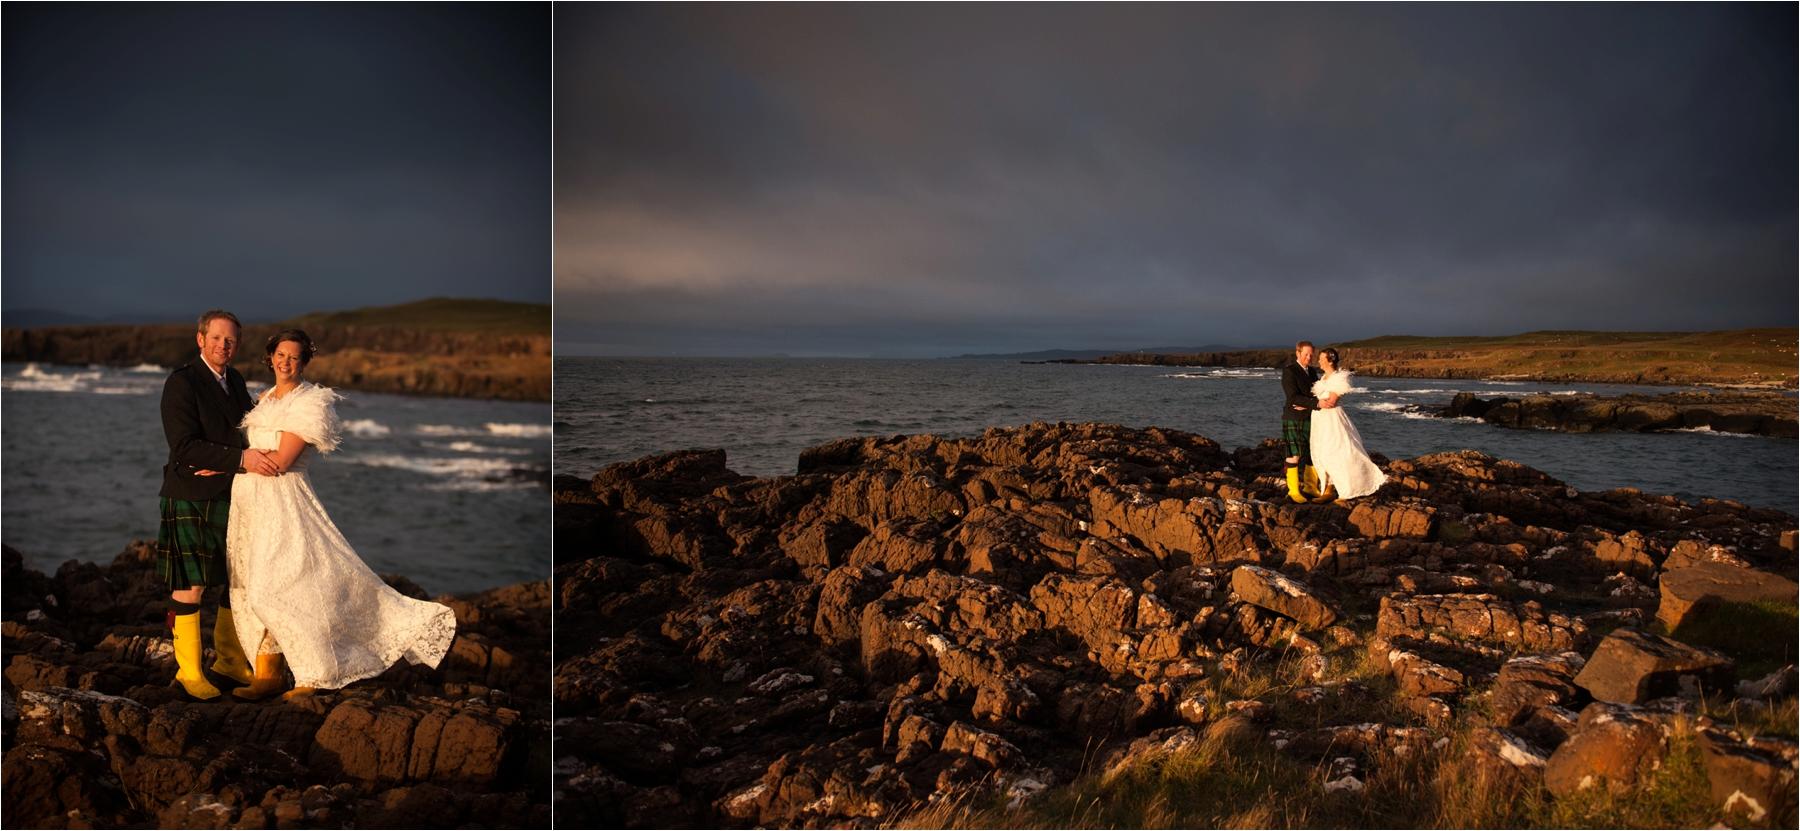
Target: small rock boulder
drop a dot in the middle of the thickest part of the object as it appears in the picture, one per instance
(1749, 784)
(1283, 595)
(1609, 747)
(1691, 590)
(1631, 667)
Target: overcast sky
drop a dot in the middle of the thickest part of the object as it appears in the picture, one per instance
(273, 159)
(915, 181)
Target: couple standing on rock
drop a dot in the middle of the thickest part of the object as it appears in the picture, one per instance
(1315, 429)
(294, 589)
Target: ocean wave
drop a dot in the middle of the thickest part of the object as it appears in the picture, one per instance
(35, 378)
(489, 430)
(366, 428)
(456, 473)
(1418, 392)
(1382, 406)
(149, 369)
(444, 430)
(1504, 383)
(472, 447)
(1218, 374)
(523, 431)
(1708, 430)
(477, 486)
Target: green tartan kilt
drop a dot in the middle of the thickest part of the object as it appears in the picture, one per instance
(1297, 435)
(190, 544)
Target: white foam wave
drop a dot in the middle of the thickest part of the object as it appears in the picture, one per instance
(444, 430)
(1505, 383)
(1382, 406)
(1708, 430)
(35, 378)
(477, 486)
(473, 447)
(1418, 392)
(366, 428)
(1217, 374)
(519, 430)
(436, 466)
(149, 369)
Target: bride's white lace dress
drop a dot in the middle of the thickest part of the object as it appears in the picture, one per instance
(1337, 449)
(295, 578)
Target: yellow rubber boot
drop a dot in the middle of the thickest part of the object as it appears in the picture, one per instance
(1293, 482)
(1309, 481)
(187, 658)
(271, 676)
(1330, 494)
(231, 662)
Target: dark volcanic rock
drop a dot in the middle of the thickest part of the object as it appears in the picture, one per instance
(1761, 413)
(918, 618)
(1631, 667)
(102, 739)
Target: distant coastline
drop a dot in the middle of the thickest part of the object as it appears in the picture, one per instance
(485, 349)
(1749, 358)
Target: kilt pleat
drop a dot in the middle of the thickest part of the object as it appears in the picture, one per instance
(190, 542)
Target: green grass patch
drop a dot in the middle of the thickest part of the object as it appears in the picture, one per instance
(1758, 635)
(1677, 795)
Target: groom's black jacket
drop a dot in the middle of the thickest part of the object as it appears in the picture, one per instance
(1296, 383)
(201, 423)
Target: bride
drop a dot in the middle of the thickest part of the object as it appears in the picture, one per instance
(298, 589)
(1337, 449)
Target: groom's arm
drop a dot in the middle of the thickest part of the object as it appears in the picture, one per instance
(188, 445)
(1299, 393)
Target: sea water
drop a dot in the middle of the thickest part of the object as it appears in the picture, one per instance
(764, 411)
(452, 493)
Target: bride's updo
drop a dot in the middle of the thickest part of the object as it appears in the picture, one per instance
(297, 336)
(1331, 353)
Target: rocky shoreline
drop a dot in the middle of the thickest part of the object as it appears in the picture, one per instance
(95, 737)
(1753, 413)
(914, 622)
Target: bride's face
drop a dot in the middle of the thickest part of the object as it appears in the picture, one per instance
(286, 361)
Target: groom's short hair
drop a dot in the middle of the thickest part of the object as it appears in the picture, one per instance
(211, 315)
(1303, 344)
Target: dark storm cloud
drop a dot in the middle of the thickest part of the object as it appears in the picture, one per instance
(274, 159)
(916, 180)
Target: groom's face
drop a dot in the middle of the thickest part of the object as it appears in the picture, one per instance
(1304, 355)
(219, 343)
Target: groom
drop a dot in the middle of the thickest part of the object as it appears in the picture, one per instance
(202, 403)
(1297, 379)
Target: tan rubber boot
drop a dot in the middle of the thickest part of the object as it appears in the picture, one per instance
(231, 662)
(1309, 481)
(271, 676)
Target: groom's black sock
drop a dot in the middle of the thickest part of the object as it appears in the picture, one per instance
(178, 609)
(225, 597)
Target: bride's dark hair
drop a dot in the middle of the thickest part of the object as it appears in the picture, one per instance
(306, 347)
(1331, 353)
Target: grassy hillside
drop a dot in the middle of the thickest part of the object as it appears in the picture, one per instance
(1754, 357)
(442, 346)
